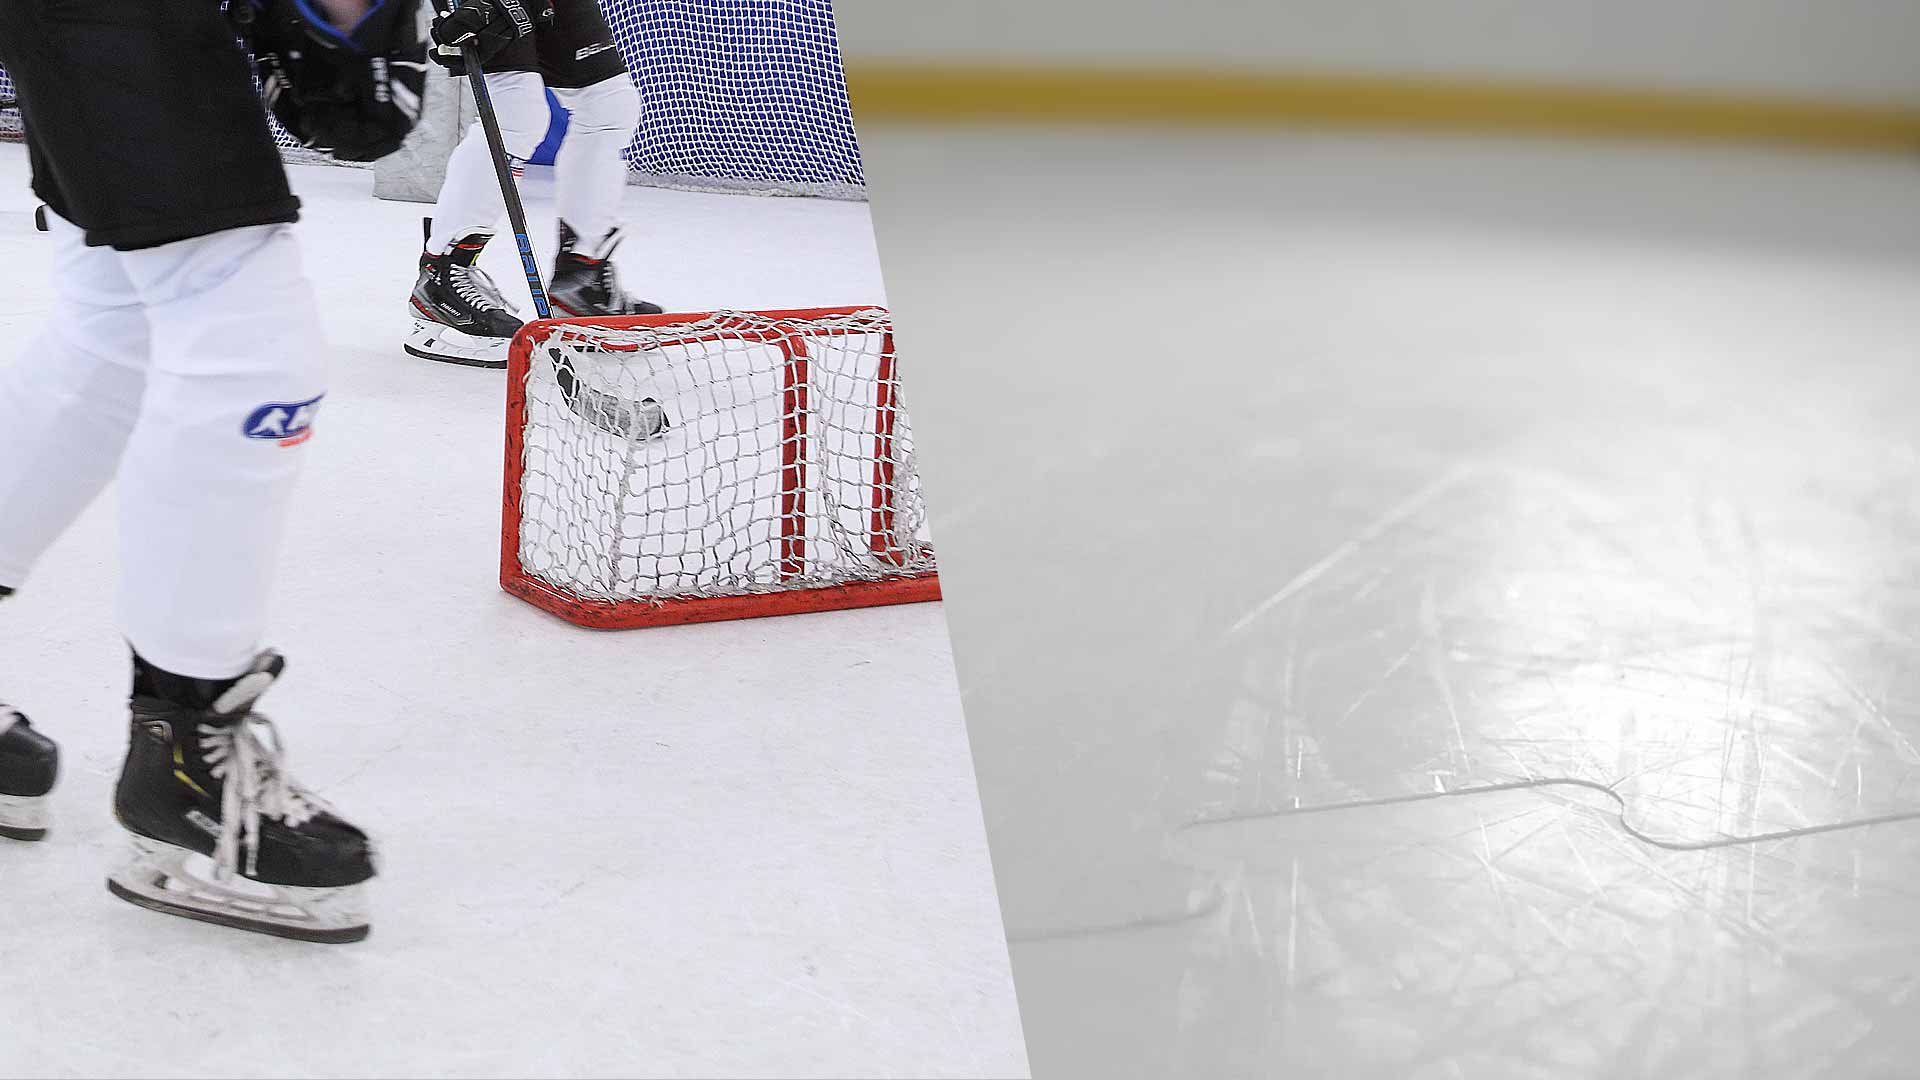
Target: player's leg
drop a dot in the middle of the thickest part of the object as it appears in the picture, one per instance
(459, 314)
(67, 404)
(237, 376)
(583, 65)
(236, 380)
(68, 400)
(591, 173)
(191, 195)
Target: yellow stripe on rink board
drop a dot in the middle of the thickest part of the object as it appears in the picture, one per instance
(943, 94)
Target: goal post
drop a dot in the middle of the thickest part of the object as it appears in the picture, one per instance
(771, 472)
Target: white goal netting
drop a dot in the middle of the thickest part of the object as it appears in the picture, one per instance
(10, 129)
(764, 460)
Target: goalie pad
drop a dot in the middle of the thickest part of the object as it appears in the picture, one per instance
(352, 94)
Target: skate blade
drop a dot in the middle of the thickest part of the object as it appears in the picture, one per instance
(168, 879)
(443, 344)
(23, 817)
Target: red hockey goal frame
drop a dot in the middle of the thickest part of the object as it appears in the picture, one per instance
(788, 333)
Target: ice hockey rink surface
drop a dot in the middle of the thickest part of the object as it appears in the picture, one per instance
(745, 849)
(1467, 596)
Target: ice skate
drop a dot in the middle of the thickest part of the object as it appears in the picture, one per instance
(586, 285)
(459, 316)
(29, 763)
(221, 832)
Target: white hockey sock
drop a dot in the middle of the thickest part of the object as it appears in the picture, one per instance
(470, 199)
(236, 374)
(591, 173)
(68, 401)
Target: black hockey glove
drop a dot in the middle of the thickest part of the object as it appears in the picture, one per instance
(353, 94)
(488, 25)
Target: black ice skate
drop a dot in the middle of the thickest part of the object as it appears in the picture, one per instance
(586, 285)
(459, 316)
(221, 833)
(29, 763)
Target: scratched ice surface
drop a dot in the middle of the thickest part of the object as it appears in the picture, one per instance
(1726, 659)
(1415, 470)
(1520, 933)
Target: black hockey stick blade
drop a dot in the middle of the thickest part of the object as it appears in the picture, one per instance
(620, 417)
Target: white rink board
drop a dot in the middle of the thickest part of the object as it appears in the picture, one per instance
(1853, 51)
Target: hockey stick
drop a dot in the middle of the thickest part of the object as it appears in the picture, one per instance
(611, 414)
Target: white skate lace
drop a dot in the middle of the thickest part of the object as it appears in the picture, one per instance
(617, 298)
(249, 760)
(604, 275)
(475, 287)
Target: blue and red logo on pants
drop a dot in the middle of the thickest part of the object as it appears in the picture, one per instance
(286, 423)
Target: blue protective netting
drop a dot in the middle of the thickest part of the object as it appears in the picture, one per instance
(736, 94)
(750, 91)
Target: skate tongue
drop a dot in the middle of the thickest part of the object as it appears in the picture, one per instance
(466, 250)
(248, 688)
(599, 250)
(609, 243)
